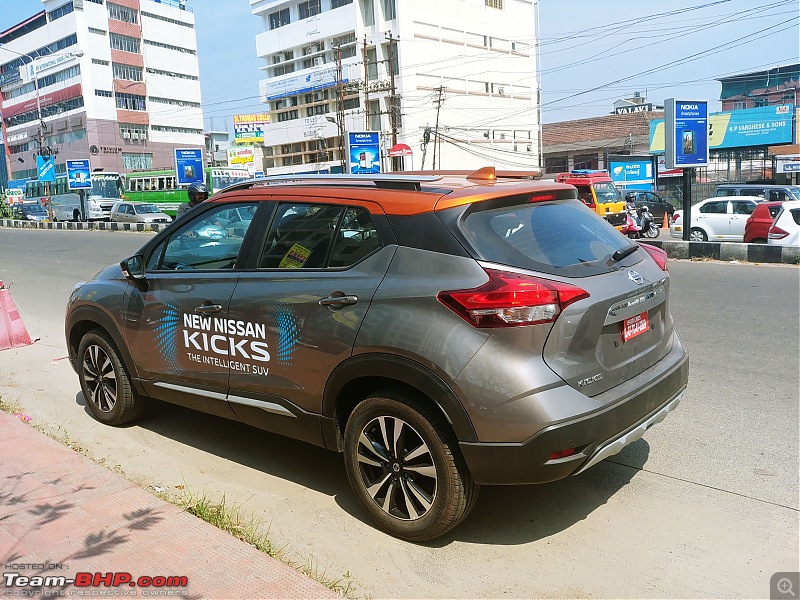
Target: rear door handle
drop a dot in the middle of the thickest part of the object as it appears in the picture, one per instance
(208, 308)
(338, 301)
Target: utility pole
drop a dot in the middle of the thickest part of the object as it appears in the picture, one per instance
(438, 102)
(397, 161)
(340, 109)
(366, 86)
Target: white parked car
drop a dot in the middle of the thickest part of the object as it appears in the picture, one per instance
(785, 230)
(716, 219)
(138, 212)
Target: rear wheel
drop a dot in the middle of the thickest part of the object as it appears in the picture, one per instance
(405, 467)
(697, 235)
(104, 381)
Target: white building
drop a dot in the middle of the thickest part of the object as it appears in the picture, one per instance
(117, 82)
(473, 60)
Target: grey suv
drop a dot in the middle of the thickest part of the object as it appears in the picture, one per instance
(442, 331)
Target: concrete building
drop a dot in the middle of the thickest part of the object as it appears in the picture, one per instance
(462, 69)
(116, 82)
(761, 88)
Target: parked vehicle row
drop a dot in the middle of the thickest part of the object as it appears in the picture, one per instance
(747, 219)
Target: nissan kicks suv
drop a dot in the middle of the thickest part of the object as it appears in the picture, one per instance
(442, 331)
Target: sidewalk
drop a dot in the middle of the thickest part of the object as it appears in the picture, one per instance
(62, 514)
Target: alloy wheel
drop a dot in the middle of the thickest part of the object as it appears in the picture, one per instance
(397, 468)
(100, 378)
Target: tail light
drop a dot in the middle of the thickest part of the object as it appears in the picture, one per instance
(675, 217)
(657, 254)
(512, 299)
(776, 233)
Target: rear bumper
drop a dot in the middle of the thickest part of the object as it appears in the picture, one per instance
(596, 435)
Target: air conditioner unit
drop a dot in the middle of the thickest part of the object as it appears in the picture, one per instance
(143, 135)
(277, 59)
(134, 135)
(126, 135)
(287, 56)
(319, 61)
(501, 90)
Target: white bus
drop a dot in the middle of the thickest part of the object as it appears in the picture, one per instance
(66, 204)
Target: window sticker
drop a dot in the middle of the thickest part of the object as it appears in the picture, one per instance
(295, 257)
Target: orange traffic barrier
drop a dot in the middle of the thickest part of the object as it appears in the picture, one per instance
(665, 225)
(12, 330)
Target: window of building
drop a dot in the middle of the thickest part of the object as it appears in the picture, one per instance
(43, 82)
(97, 61)
(104, 93)
(170, 129)
(132, 131)
(343, 40)
(97, 31)
(368, 12)
(167, 19)
(283, 69)
(495, 4)
(317, 61)
(348, 52)
(739, 104)
(14, 65)
(760, 101)
(279, 18)
(172, 74)
(310, 8)
(59, 12)
(122, 13)
(313, 48)
(131, 102)
(96, 1)
(124, 43)
(170, 47)
(340, 3)
(173, 101)
(319, 109)
(136, 160)
(372, 64)
(319, 96)
(374, 115)
(351, 103)
(289, 115)
(389, 10)
(127, 72)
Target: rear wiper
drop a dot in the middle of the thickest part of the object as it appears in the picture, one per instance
(623, 252)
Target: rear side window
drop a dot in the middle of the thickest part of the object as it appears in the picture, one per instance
(726, 192)
(773, 211)
(715, 207)
(777, 196)
(743, 208)
(562, 238)
(796, 215)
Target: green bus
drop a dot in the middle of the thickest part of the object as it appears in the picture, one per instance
(161, 187)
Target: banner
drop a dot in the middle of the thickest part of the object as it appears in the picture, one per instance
(249, 129)
(241, 156)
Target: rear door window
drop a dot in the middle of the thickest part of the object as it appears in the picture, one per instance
(741, 207)
(720, 207)
(562, 238)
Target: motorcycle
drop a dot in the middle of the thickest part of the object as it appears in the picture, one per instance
(639, 223)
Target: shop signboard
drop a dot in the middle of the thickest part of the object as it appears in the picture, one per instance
(634, 174)
(249, 129)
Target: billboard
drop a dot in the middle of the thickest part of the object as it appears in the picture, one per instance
(364, 152)
(762, 126)
(686, 133)
(79, 174)
(302, 84)
(241, 157)
(46, 168)
(189, 165)
(249, 129)
(633, 174)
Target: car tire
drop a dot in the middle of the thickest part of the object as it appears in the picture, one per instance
(418, 498)
(104, 381)
(697, 235)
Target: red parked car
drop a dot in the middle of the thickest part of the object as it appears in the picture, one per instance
(757, 226)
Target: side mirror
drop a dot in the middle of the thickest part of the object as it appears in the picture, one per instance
(133, 267)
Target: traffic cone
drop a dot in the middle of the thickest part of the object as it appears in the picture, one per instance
(665, 225)
(12, 330)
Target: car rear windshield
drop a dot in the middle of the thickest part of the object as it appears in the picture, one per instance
(562, 237)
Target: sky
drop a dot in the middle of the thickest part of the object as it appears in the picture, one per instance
(593, 52)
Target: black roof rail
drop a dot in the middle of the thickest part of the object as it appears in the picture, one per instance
(384, 180)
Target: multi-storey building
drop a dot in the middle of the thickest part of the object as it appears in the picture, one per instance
(775, 86)
(453, 80)
(116, 82)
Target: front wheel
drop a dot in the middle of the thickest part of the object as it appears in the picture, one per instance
(697, 235)
(653, 231)
(405, 467)
(76, 215)
(104, 381)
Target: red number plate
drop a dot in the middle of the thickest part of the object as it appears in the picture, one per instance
(635, 326)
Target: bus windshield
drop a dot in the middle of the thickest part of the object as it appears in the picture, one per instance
(220, 180)
(106, 186)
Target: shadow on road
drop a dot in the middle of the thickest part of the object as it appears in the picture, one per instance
(503, 515)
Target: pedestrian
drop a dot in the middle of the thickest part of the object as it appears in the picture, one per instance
(197, 192)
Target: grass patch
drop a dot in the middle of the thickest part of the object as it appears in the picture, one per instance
(231, 518)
